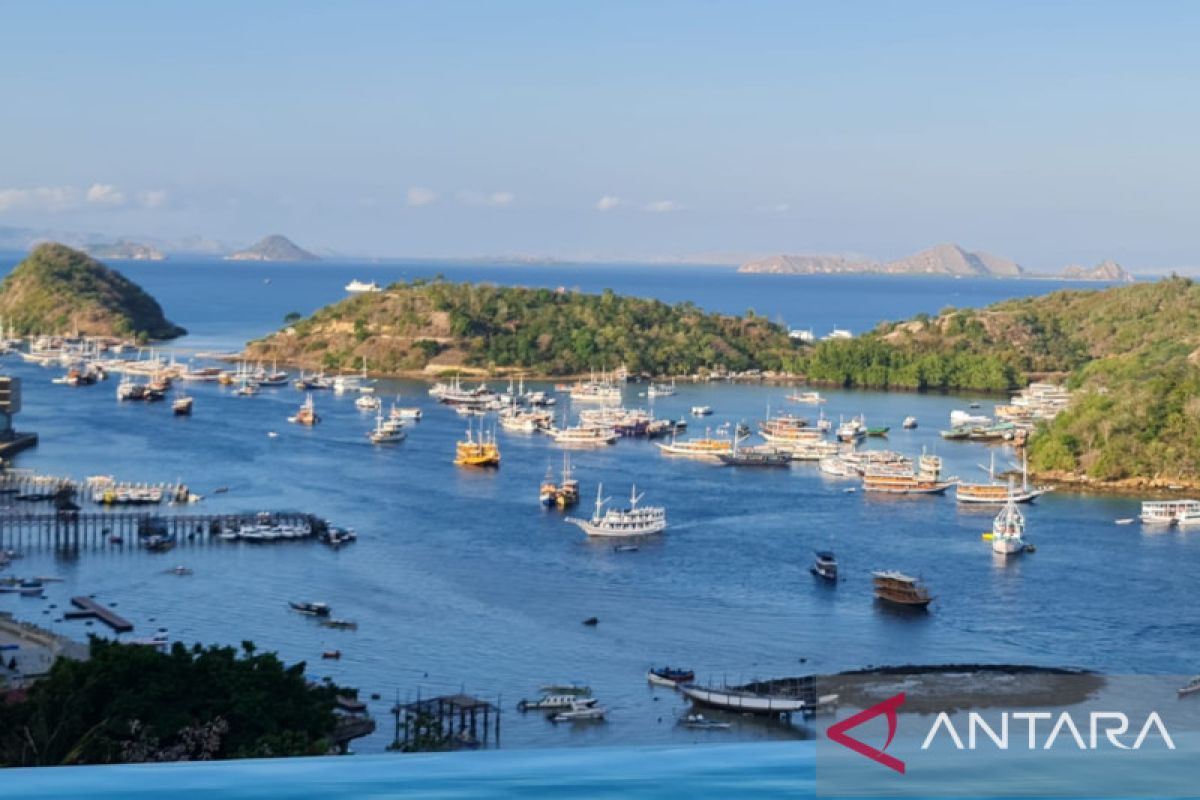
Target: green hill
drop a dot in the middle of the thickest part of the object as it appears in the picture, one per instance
(1130, 353)
(430, 325)
(60, 290)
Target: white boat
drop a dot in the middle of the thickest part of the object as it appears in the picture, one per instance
(404, 412)
(632, 521)
(368, 402)
(812, 398)
(661, 390)
(386, 431)
(909, 423)
(1191, 687)
(1008, 530)
(604, 390)
(703, 723)
(962, 419)
(743, 701)
(1170, 512)
(585, 436)
(357, 287)
(852, 430)
(556, 702)
(701, 411)
(580, 711)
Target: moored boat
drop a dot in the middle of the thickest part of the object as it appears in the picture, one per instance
(181, 406)
(1008, 530)
(480, 451)
(307, 415)
(669, 676)
(706, 448)
(900, 589)
(909, 423)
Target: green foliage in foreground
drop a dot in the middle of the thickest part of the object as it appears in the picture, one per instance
(130, 703)
(413, 324)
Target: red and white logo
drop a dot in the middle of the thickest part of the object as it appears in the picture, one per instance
(837, 732)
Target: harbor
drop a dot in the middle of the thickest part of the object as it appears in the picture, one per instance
(454, 564)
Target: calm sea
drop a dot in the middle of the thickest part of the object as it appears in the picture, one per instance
(461, 581)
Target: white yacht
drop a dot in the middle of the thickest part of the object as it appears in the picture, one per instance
(661, 390)
(387, 431)
(358, 287)
(632, 521)
(1170, 512)
(585, 436)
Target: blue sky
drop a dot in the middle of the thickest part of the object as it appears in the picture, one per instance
(1047, 132)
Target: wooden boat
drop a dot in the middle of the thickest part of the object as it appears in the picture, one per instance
(852, 430)
(568, 487)
(898, 482)
(878, 431)
(340, 624)
(812, 398)
(331, 654)
(995, 493)
(767, 456)
(1008, 530)
(669, 676)
(706, 448)
(900, 589)
(307, 415)
(481, 451)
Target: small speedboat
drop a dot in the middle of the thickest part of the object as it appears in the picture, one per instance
(1125, 521)
(669, 676)
(312, 609)
(701, 411)
(180, 570)
(625, 548)
(580, 711)
(555, 702)
(331, 654)
(703, 722)
(909, 423)
(1191, 687)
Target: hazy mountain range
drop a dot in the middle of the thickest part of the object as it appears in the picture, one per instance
(942, 259)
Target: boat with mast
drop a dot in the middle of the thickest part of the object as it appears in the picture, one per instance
(568, 486)
(1008, 529)
(705, 448)
(632, 521)
(477, 451)
(760, 456)
(307, 415)
(995, 493)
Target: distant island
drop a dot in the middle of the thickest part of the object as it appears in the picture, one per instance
(438, 326)
(60, 290)
(273, 248)
(1130, 354)
(124, 250)
(943, 259)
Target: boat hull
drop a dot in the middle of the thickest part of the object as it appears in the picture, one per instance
(743, 702)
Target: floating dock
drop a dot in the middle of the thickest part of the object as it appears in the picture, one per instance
(90, 609)
(119, 530)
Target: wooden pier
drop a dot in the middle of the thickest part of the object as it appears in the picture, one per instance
(121, 530)
(445, 722)
(89, 609)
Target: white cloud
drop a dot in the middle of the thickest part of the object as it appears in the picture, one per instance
(420, 196)
(104, 194)
(42, 198)
(152, 198)
(471, 197)
(607, 203)
(662, 206)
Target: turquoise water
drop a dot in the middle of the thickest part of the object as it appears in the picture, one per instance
(460, 580)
